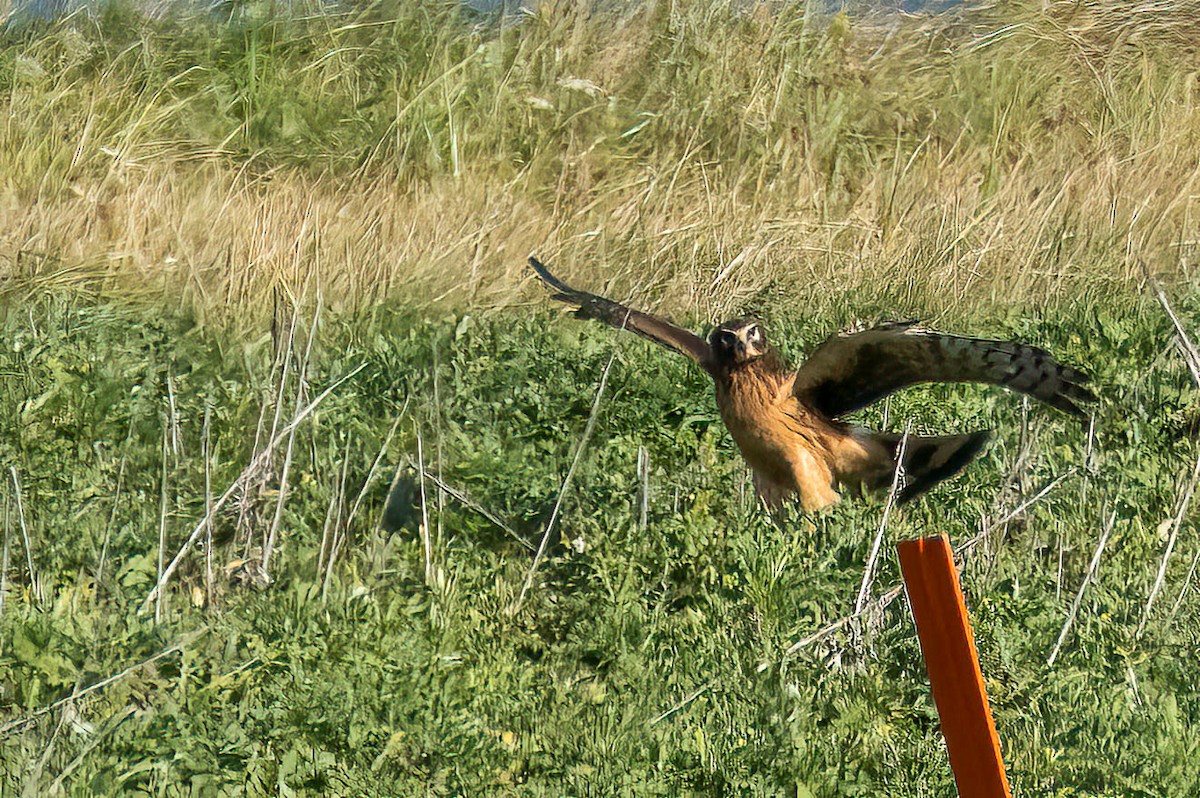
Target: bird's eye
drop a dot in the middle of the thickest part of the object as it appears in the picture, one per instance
(754, 333)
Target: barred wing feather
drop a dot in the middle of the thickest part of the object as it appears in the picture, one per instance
(854, 369)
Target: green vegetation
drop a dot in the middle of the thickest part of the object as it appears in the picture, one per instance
(209, 225)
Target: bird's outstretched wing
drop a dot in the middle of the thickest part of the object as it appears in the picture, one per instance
(853, 369)
(661, 331)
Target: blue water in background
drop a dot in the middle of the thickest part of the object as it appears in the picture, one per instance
(828, 6)
(55, 9)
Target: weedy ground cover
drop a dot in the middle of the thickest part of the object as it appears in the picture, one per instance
(650, 656)
(305, 236)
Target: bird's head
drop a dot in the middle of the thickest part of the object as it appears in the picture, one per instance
(738, 342)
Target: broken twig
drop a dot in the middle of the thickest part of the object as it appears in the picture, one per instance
(864, 590)
(1184, 502)
(249, 471)
(1087, 580)
(566, 484)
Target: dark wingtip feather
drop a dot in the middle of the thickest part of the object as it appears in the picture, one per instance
(1086, 395)
(1060, 402)
(1078, 393)
(1071, 393)
(550, 280)
(561, 291)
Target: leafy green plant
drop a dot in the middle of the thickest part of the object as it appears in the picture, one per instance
(648, 657)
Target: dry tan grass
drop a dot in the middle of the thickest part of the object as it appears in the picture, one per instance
(930, 164)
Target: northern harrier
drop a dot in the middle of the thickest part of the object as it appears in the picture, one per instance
(786, 422)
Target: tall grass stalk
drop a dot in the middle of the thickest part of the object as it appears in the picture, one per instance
(551, 524)
(698, 152)
(35, 583)
(864, 590)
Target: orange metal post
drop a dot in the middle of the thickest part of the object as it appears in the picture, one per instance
(953, 664)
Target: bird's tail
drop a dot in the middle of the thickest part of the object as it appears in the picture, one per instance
(929, 460)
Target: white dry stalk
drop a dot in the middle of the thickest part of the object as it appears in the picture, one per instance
(112, 514)
(206, 446)
(1087, 580)
(281, 494)
(437, 432)
(371, 472)
(566, 484)
(270, 534)
(1184, 502)
(244, 478)
(459, 495)
(893, 592)
(56, 786)
(1022, 473)
(173, 417)
(17, 724)
(4, 564)
(1090, 450)
(1187, 583)
(117, 502)
(878, 605)
(699, 691)
(259, 428)
(281, 500)
(34, 582)
(1191, 355)
(1025, 445)
(286, 354)
(643, 468)
(426, 536)
(326, 528)
(162, 520)
(968, 545)
(1058, 582)
(338, 528)
(284, 361)
(1014, 477)
(33, 778)
(864, 590)
(1088, 468)
(332, 515)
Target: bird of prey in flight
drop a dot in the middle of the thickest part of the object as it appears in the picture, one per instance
(786, 421)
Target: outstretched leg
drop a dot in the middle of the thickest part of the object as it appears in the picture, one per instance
(772, 494)
(813, 479)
